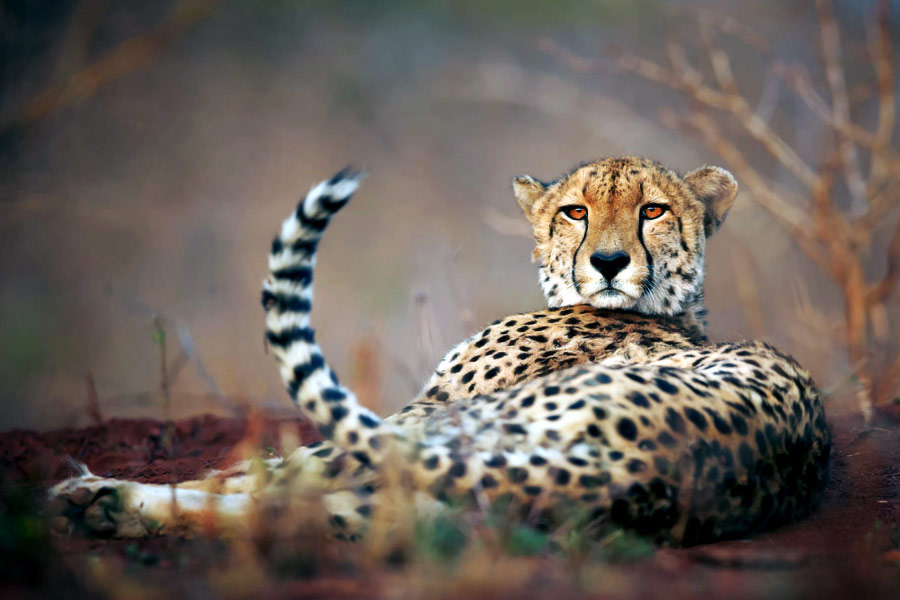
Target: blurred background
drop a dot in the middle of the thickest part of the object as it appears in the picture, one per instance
(149, 150)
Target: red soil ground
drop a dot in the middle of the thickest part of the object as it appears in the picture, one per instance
(851, 546)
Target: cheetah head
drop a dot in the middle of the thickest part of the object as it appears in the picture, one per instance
(625, 233)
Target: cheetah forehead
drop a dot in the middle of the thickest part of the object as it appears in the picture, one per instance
(616, 183)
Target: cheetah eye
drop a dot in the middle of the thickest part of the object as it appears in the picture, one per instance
(574, 212)
(653, 211)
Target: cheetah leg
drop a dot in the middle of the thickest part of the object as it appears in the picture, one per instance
(113, 507)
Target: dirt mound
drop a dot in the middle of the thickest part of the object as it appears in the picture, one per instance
(142, 449)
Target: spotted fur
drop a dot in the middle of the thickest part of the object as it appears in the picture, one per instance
(614, 403)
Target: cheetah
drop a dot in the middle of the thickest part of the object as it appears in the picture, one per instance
(612, 400)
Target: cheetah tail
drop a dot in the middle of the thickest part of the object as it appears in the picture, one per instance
(287, 299)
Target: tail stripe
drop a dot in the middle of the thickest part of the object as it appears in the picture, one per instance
(287, 298)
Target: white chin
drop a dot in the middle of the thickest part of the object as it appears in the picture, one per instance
(612, 299)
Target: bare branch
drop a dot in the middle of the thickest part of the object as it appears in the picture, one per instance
(880, 204)
(731, 26)
(762, 193)
(686, 80)
(888, 284)
(834, 74)
(750, 120)
(881, 52)
(768, 99)
(798, 81)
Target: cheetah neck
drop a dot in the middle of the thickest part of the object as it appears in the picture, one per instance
(693, 315)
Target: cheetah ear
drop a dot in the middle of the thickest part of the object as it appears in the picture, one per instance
(527, 190)
(716, 188)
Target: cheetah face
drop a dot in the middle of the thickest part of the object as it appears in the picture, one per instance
(625, 233)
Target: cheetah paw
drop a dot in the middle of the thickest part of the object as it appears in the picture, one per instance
(95, 506)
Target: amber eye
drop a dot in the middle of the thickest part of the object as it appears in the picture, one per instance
(653, 211)
(575, 212)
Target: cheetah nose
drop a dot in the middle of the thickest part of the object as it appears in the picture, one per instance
(609, 265)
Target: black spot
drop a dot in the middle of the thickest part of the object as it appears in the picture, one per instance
(491, 373)
(488, 482)
(368, 420)
(721, 424)
(739, 424)
(674, 421)
(362, 457)
(665, 386)
(527, 401)
(590, 481)
(636, 465)
(638, 399)
(761, 442)
(338, 521)
(514, 428)
(562, 477)
(532, 490)
(593, 430)
(458, 469)
(334, 394)
(627, 429)
(431, 462)
(746, 455)
(468, 377)
(646, 445)
(496, 462)
(551, 390)
(537, 461)
(338, 413)
(635, 377)
(695, 417)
